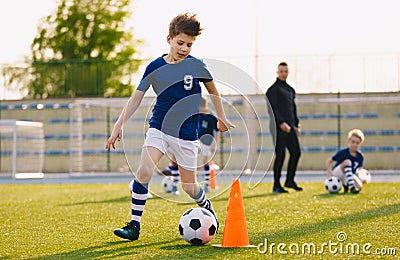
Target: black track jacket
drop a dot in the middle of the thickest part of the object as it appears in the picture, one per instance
(281, 97)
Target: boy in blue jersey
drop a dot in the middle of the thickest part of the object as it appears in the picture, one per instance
(175, 78)
(347, 161)
(208, 136)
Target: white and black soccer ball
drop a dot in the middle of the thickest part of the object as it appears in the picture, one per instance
(197, 226)
(333, 184)
(166, 184)
(364, 175)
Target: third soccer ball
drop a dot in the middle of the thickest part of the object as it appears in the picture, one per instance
(364, 175)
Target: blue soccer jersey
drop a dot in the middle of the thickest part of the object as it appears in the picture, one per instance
(344, 154)
(207, 127)
(178, 90)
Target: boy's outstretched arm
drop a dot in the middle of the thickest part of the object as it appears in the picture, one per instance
(130, 108)
(223, 123)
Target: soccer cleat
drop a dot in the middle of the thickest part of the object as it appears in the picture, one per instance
(212, 212)
(346, 188)
(354, 190)
(130, 231)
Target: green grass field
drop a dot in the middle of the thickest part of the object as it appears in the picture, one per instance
(76, 221)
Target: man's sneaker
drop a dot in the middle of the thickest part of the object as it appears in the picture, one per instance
(212, 212)
(293, 186)
(279, 190)
(130, 231)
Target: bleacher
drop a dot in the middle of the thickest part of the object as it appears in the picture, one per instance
(324, 129)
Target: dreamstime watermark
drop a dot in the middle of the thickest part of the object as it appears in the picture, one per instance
(340, 246)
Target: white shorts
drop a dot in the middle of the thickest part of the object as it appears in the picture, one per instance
(205, 150)
(337, 172)
(185, 151)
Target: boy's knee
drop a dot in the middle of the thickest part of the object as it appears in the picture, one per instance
(190, 188)
(143, 174)
(346, 162)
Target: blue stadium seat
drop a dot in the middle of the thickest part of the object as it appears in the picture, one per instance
(369, 132)
(368, 148)
(353, 115)
(303, 117)
(56, 152)
(89, 120)
(319, 116)
(263, 133)
(371, 115)
(333, 116)
(330, 149)
(316, 132)
(333, 132)
(6, 153)
(58, 120)
(264, 150)
(386, 148)
(64, 106)
(264, 117)
(387, 132)
(312, 149)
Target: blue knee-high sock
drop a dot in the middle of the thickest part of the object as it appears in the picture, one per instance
(201, 199)
(349, 176)
(139, 197)
(175, 177)
(207, 175)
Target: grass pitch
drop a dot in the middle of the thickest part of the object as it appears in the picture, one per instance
(76, 221)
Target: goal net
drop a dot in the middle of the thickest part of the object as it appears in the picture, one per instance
(91, 122)
(22, 148)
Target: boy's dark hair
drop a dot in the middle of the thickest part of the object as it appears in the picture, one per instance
(185, 23)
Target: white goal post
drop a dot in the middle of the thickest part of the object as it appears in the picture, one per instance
(22, 148)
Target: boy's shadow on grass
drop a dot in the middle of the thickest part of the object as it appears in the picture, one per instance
(328, 195)
(110, 250)
(114, 200)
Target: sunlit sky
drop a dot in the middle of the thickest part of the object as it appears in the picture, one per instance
(234, 28)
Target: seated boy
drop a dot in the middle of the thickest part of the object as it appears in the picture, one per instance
(347, 161)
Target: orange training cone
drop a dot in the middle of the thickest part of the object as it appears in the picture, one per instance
(213, 182)
(235, 229)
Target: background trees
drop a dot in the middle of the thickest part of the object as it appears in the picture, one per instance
(82, 49)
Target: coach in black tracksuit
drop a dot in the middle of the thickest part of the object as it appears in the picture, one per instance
(284, 129)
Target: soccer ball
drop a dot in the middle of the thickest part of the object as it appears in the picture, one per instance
(357, 182)
(364, 175)
(197, 226)
(333, 184)
(166, 184)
